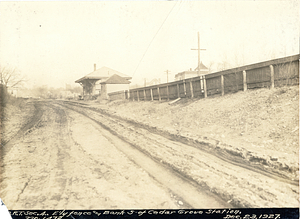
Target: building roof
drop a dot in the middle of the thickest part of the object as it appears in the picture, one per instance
(187, 72)
(102, 73)
(153, 82)
(115, 79)
(202, 71)
(202, 67)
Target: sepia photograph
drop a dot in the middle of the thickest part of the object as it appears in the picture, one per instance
(120, 105)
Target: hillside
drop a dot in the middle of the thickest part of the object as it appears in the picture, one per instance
(262, 123)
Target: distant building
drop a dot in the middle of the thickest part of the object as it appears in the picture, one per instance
(91, 83)
(13, 91)
(190, 73)
(113, 84)
(154, 81)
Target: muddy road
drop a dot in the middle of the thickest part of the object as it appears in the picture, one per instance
(65, 160)
(72, 157)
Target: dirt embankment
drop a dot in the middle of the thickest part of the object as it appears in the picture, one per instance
(260, 127)
(14, 116)
(232, 182)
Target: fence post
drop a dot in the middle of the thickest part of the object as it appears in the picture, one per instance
(144, 95)
(158, 94)
(272, 76)
(151, 94)
(222, 85)
(245, 80)
(168, 92)
(236, 82)
(192, 91)
(178, 94)
(137, 93)
(200, 79)
(184, 88)
(204, 86)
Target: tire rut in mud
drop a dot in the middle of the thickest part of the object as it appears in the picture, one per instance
(33, 121)
(62, 156)
(232, 157)
(7, 145)
(36, 156)
(89, 112)
(186, 192)
(166, 165)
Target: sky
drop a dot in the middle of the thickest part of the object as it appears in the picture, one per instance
(55, 43)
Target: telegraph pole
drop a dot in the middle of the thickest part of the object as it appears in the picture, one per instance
(199, 53)
(167, 72)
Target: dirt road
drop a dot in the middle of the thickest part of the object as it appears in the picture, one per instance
(78, 158)
(67, 161)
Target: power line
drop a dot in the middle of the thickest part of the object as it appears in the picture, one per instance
(153, 39)
(176, 13)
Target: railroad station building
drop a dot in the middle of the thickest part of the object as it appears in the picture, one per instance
(113, 81)
(113, 84)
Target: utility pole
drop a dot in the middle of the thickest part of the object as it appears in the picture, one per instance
(167, 72)
(199, 53)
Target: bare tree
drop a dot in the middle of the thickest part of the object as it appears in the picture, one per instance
(224, 64)
(221, 66)
(210, 66)
(11, 77)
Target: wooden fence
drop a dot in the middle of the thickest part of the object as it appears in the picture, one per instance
(273, 73)
(119, 95)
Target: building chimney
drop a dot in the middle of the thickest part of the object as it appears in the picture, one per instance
(94, 67)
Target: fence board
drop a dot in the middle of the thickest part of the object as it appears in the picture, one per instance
(259, 77)
(133, 94)
(198, 90)
(173, 92)
(163, 92)
(120, 95)
(155, 94)
(213, 85)
(148, 94)
(181, 90)
(188, 89)
(141, 94)
(286, 73)
(233, 82)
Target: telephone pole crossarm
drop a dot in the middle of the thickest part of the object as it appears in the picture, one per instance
(199, 49)
(167, 72)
